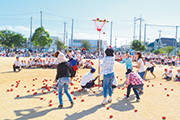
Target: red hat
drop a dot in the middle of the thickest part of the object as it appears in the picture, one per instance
(170, 70)
(165, 69)
(33, 58)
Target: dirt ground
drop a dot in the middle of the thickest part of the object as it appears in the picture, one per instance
(153, 105)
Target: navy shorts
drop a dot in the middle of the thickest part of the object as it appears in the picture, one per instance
(151, 69)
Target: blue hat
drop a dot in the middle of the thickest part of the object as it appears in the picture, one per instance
(93, 69)
(17, 57)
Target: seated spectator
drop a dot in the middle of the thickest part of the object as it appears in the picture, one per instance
(17, 64)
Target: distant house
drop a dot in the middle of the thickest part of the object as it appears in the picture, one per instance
(162, 42)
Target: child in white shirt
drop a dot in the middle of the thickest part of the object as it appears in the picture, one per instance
(169, 75)
(178, 75)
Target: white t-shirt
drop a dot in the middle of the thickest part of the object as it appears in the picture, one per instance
(148, 64)
(86, 78)
(169, 74)
(178, 74)
(17, 63)
(142, 68)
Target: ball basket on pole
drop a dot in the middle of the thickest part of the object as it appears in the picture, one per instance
(99, 24)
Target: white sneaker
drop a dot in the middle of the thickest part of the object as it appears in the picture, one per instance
(110, 100)
(126, 97)
(86, 90)
(105, 102)
(138, 100)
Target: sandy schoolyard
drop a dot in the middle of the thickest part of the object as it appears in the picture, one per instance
(153, 105)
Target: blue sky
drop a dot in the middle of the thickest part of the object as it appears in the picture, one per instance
(15, 15)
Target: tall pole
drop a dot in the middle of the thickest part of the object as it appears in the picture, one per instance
(41, 19)
(160, 37)
(111, 34)
(134, 37)
(99, 57)
(140, 28)
(176, 40)
(115, 42)
(30, 33)
(145, 34)
(64, 40)
(72, 34)
(126, 45)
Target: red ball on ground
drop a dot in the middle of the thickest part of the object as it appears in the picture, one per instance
(79, 90)
(33, 79)
(152, 85)
(12, 85)
(44, 92)
(24, 86)
(160, 83)
(119, 87)
(33, 84)
(147, 85)
(135, 110)
(104, 33)
(82, 100)
(122, 88)
(107, 108)
(32, 89)
(74, 98)
(11, 90)
(16, 86)
(17, 96)
(72, 92)
(111, 116)
(171, 89)
(165, 88)
(50, 101)
(41, 98)
(28, 90)
(7, 90)
(56, 93)
(94, 92)
(168, 95)
(50, 104)
(163, 117)
(149, 81)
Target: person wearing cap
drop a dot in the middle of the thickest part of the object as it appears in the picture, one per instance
(87, 64)
(169, 75)
(87, 81)
(178, 75)
(63, 77)
(108, 72)
(17, 64)
(136, 82)
(165, 73)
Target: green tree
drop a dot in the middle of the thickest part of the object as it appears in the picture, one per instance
(137, 45)
(60, 44)
(41, 38)
(86, 44)
(168, 49)
(9, 38)
(156, 52)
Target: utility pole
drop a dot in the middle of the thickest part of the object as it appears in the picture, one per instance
(115, 42)
(134, 37)
(72, 34)
(176, 40)
(140, 19)
(160, 37)
(145, 34)
(111, 34)
(64, 32)
(126, 45)
(30, 33)
(41, 19)
(66, 39)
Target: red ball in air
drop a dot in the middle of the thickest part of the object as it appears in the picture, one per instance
(74, 47)
(97, 18)
(104, 33)
(84, 49)
(104, 19)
